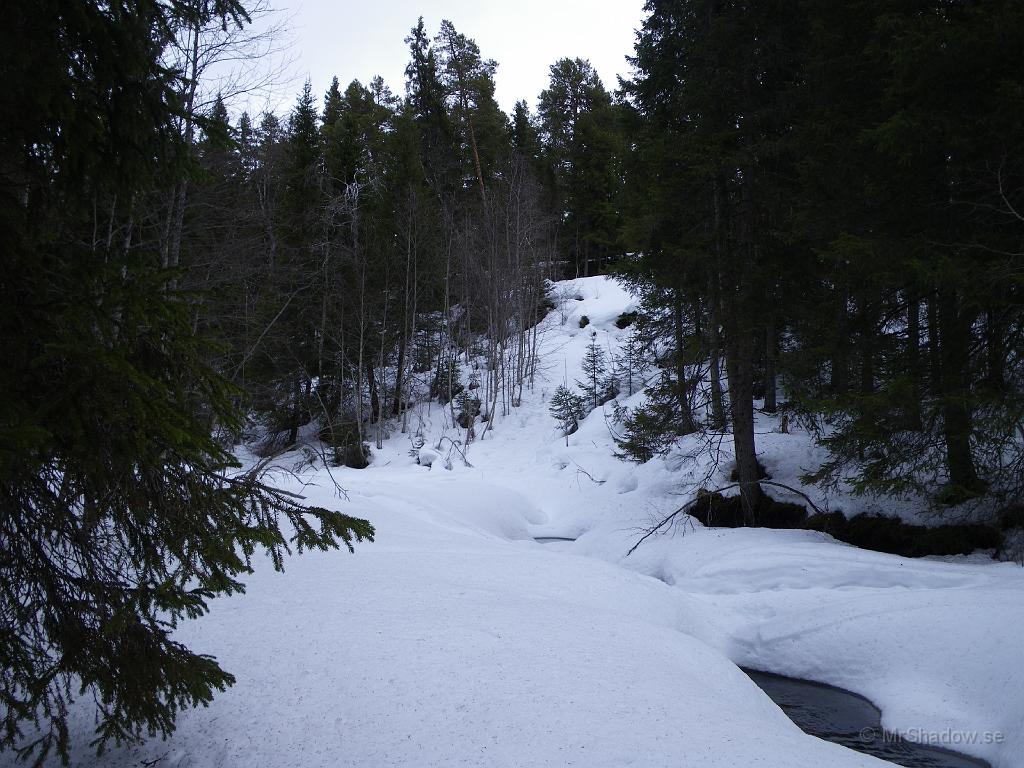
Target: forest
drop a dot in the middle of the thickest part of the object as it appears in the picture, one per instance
(819, 204)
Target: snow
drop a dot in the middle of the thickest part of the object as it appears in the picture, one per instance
(936, 645)
(456, 639)
(427, 457)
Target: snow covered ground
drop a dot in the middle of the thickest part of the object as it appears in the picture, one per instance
(456, 639)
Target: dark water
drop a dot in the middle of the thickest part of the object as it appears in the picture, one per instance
(555, 542)
(853, 721)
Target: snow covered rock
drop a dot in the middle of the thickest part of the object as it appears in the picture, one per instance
(427, 457)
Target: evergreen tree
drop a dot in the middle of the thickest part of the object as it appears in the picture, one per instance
(426, 97)
(596, 386)
(525, 136)
(712, 91)
(567, 409)
(526, 141)
(629, 364)
(468, 81)
(807, 193)
(121, 512)
(651, 429)
(907, 402)
(293, 221)
(583, 145)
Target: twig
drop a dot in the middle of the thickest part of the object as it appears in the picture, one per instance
(581, 469)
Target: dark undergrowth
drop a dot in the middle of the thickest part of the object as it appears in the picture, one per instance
(874, 532)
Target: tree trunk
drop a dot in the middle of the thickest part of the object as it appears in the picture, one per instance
(934, 363)
(995, 350)
(714, 321)
(172, 254)
(914, 359)
(715, 348)
(739, 363)
(867, 363)
(396, 408)
(686, 422)
(957, 424)
(771, 403)
(840, 358)
(296, 415)
(742, 316)
(371, 381)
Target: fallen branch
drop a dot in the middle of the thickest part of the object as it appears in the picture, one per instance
(794, 490)
(651, 531)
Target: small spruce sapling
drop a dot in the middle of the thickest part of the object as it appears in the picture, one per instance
(651, 429)
(469, 410)
(594, 369)
(629, 365)
(447, 378)
(567, 408)
(598, 385)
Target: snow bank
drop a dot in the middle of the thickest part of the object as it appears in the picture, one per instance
(442, 646)
(935, 644)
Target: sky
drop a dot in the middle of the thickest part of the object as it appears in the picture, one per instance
(357, 39)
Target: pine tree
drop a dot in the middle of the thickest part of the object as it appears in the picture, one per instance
(468, 80)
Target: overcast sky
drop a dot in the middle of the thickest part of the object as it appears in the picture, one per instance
(357, 39)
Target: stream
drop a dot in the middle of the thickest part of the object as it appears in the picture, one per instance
(555, 542)
(853, 721)
(837, 715)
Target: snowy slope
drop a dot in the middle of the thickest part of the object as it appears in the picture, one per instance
(455, 639)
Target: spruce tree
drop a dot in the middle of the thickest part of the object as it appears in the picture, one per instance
(583, 145)
(121, 513)
(426, 97)
(713, 94)
(905, 225)
(567, 409)
(595, 385)
(629, 364)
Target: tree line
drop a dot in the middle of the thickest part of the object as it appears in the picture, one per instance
(356, 255)
(819, 203)
(825, 198)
